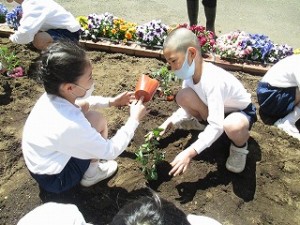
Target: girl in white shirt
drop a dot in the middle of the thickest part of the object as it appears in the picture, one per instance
(43, 22)
(63, 142)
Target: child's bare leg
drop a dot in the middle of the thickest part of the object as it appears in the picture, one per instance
(98, 121)
(190, 102)
(42, 40)
(297, 99)
(236, 126)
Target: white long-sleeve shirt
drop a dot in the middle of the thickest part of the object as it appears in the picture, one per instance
(285, 73)
(42, 15)
(52, 213)
(56, 130)
(222, 93)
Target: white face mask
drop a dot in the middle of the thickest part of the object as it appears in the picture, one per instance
(88, 92)
(186, 71)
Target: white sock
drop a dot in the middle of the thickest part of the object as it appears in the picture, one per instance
(92, 170)
(293, 116)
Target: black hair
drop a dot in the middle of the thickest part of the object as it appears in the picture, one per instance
(150, 211)
(62, 62)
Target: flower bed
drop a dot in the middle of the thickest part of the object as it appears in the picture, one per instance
(236, 49)
(237, 45)
(242, 46)
(96, 27)
(13, 18)
(3, 12)
(152, 34)
(205, 37)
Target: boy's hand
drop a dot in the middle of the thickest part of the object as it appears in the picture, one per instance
(181, 161)
(122, 99)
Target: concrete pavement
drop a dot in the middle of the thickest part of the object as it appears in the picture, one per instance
(275, 18)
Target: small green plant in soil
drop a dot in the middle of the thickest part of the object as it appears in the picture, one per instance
(8, 60)
(149, 155)
(165, 77)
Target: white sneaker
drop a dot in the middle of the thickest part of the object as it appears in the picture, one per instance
(105, 170)
(236, 161)
(288, 128)
(192, 124)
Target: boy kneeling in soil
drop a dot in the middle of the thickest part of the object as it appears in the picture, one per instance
(278, 94)
(211, 94)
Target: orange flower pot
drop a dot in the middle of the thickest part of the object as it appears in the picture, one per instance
(146, 87)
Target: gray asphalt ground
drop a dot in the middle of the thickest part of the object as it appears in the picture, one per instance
(280, 20)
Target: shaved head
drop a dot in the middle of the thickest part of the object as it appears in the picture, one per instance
(181, 39)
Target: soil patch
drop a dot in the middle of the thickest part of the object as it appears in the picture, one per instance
(267, 192)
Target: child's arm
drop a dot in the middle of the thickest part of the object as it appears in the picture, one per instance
(122, 99)
(176, 118)
(30, 23)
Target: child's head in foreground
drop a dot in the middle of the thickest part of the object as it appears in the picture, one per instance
(182, 51)
(150, 211)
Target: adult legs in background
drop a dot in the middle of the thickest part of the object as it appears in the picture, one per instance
(210, 9)
(192, 9)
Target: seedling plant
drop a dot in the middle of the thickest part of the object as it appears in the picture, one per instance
(149, 155)
(8, 59)
(165, 77)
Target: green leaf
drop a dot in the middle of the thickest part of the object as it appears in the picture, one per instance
(156, 131)
(154, 174)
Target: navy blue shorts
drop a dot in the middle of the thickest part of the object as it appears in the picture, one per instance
(274, 101)
(57, 34)
(250, 113)
(69, 177)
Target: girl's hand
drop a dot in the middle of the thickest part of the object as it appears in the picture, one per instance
(138, 110)
(122, 99)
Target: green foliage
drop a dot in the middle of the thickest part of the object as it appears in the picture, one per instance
(8, 59)
(149, 155)
(2, 18)
(165, 77)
